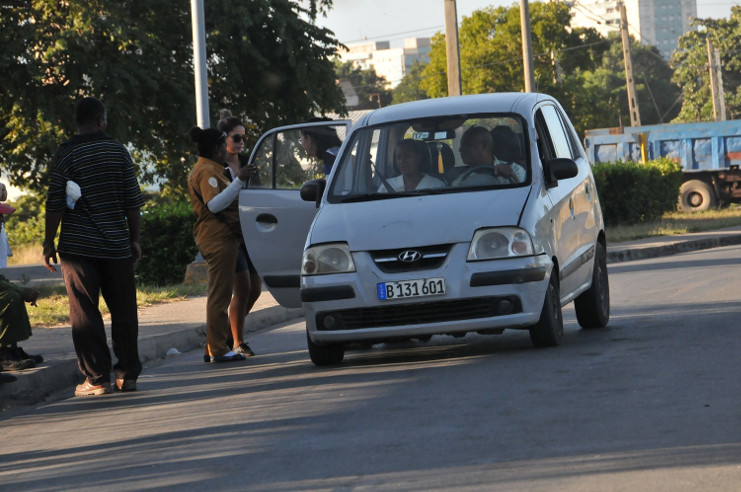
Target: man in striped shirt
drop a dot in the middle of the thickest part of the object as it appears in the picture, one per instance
(94, 194)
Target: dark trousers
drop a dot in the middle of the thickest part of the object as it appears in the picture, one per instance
(86, 278)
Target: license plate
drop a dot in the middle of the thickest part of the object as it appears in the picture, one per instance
(405, 289)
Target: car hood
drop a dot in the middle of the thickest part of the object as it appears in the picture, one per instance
(416, 220)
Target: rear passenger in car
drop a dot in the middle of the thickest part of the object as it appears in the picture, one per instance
(412, 159)
(508, 150)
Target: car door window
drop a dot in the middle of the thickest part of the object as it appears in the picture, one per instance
(283, 163)
(560, 143)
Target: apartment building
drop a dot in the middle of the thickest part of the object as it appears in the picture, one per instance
(656, 22)
(390, 63)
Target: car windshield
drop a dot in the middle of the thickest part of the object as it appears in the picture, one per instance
(434, 155)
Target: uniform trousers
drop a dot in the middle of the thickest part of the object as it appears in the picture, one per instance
(221, 259)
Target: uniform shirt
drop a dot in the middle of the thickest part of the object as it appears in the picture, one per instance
(208, 179)
(97, 226)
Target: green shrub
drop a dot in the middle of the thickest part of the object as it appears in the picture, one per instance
(29, 231)
(632, 193)
(167, 243)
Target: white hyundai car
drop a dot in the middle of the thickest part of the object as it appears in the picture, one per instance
(439, 217)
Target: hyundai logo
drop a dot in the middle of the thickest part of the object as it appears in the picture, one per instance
(410, 256)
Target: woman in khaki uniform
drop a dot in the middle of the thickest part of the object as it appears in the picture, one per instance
(217, 233)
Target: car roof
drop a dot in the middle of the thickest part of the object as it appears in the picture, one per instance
(500, 102)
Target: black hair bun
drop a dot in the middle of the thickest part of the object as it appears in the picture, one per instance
(196, 134)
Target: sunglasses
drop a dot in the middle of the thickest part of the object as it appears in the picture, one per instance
(239, 138)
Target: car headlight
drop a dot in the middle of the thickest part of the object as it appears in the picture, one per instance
(327, 258)
(500, 242)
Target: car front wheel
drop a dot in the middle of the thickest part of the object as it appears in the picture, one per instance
(325, 355)
(593, 305)
(548, 332)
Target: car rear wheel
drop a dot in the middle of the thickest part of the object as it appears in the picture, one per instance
(325, 355)
(593, 306)
(548, 332)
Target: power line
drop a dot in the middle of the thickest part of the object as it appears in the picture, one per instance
(396, 35)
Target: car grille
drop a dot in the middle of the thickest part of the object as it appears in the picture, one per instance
(418, 313)
(388, 260)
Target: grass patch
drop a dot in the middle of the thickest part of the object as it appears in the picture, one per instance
(677, 223)
(53, 309)
(25, 254)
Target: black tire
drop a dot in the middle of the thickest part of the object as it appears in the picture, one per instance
(325, 355)
(696, 195)
(593, 305)
(548, 332)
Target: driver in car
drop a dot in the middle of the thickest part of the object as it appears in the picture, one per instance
(477, 153)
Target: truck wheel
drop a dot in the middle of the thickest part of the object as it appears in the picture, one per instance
(548, 332)
(325, 355)
(593, 305)
(696, 195)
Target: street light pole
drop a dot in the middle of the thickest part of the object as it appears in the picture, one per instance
(199, 62)
(452, 50)
(635, 115)
(527, 48)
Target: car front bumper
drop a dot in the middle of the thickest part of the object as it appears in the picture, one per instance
(482, 295)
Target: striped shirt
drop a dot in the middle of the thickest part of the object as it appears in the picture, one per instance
(97, 226)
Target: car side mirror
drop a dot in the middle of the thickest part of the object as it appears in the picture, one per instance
(312, 191)
(560, 168)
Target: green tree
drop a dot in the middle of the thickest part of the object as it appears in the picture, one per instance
(434, 79)
(267, 62)
(657, 94)
(369, 86)
(491, 50)
(409, 89)
(691, 73)
(583, 70)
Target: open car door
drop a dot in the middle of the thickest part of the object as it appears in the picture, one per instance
(275, 220)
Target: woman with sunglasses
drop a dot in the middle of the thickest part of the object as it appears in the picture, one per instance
(217, 234)
(247, 285)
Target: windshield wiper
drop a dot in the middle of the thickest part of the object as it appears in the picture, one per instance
(397, 194)
(368, 197)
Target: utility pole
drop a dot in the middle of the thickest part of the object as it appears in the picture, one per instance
(199, 62)
(452, 51)
(716, 82)
(527, 48)
(635, 116)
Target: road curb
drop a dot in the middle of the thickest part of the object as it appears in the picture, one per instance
(619, 254)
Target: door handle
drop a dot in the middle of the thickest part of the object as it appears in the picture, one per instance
(266, 219)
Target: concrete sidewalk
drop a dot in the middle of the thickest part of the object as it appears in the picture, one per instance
(181, 325)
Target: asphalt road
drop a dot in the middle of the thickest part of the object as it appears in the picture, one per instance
(649, 403)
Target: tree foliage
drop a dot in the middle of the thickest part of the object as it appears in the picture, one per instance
(691, 71)
(409, 89)
(605, 87)
(369, 86)
(584, 70)
(491, 50)
(267, 62)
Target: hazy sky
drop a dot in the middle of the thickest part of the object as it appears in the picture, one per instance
(393, 20)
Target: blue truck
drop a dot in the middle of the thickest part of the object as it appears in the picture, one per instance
(710, 155)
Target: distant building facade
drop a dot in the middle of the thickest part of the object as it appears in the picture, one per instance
(390, 63)
(656, 22)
